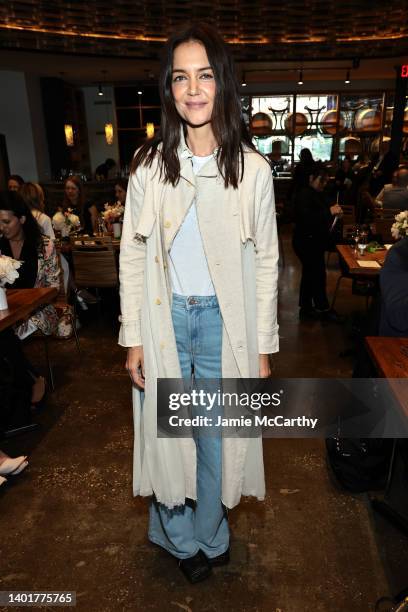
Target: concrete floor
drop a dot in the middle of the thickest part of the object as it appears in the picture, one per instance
(70, 521)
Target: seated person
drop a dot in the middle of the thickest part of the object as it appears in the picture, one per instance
(14, 182)
(397, 197)
(22, 239)
(394, 291)
(104, 171)
(380, 198)
(31, 194)
(86, 213)
(121, 190)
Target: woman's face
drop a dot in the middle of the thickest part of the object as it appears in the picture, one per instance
(11, 226)
(120, 194)
(193, 84)
(13, 185)
(71, 191)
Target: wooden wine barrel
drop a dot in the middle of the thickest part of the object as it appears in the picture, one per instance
(261, 124)
(385, 145)
(328, 122)
(300, 124)
(389, 115)
(350, 145)
(367, 120)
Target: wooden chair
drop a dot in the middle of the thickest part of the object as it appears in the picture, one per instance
(95, 267)
(349, 214)
(61, 305)
(383, 220)
(90, 242)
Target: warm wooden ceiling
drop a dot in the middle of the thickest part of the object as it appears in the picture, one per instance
(264, 30)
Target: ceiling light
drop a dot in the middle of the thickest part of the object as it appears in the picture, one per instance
(100, 92)
(243, 84)
(300, 81)
(140, 93)
(347, 79)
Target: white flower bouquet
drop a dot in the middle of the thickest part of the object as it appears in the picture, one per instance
(113, 213)
(399, 229)
(65, 222)
(8, 270)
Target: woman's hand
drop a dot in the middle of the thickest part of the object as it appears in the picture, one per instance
(264, 366)
(336, 209)
(135, 365)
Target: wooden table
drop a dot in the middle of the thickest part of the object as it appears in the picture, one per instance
(350, 258)
(390, 356)
(22, 302)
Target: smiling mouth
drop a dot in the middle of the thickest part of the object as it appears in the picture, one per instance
(195, 104)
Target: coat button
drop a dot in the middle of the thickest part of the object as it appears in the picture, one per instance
(167, 224)
(162, 345)
(158, 301)
(156, 259)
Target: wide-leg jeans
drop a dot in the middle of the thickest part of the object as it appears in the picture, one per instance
(200, 524)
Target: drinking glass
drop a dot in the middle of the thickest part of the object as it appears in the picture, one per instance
(356, 236)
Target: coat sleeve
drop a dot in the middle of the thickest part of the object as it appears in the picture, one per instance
(132, 263)
(267, 256)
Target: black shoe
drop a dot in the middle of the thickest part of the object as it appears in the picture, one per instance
(308, 314)
(222, 559)
(330, 316)
(195, 568)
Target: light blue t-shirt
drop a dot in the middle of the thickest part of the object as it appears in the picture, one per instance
(189, 273)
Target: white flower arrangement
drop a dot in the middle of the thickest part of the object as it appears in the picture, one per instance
(8, 270)
(399, 229)
(65, 222)
(113, 213)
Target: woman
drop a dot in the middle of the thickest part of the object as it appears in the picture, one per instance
(22, 239)
(313, 221)
(120, 190)
(14, 182)
(33, 196)
(198, 274)
(74, 198)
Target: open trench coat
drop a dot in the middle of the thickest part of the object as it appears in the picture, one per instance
(238, 228)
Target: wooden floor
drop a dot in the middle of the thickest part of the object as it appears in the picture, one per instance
(70, 522)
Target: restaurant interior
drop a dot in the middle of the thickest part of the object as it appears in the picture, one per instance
(79, 94)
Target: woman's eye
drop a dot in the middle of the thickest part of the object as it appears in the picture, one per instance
(179, 77)
(207, 75)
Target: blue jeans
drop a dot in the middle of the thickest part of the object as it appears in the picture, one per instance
(202, 525)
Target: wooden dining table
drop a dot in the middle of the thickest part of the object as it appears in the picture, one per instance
(22, 302)
(351, 259)
(390, 357)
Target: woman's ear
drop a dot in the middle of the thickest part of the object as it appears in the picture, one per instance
(23, 219)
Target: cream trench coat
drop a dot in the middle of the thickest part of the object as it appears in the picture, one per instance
(238, 228)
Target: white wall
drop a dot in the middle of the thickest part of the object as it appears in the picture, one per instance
(16, 125)
(96, 117)
(38, 127)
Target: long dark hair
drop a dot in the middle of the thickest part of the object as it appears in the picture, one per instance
(66, 203)
(14, 203)
(227, 121)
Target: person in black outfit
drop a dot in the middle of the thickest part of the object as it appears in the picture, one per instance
(394, 292)
(102, 171)
(313, 219)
